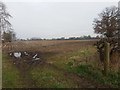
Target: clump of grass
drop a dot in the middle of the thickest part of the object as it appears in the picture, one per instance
(70, 63)
(74, 58)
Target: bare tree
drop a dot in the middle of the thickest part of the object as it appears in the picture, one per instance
(6, 31)
(118, 17)
(106, 23)
(4, 19)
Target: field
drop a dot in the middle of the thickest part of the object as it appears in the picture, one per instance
(62, 64)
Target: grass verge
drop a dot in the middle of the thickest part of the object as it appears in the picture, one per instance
(10, 74)
(88, 71)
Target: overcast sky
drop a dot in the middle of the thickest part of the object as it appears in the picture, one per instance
(54, 19)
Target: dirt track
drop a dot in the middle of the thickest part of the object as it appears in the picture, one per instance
(24, 69)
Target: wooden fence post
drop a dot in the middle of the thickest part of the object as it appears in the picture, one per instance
(106, 58)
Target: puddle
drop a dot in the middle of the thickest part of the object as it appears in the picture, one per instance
(17, 54)
(31, 56)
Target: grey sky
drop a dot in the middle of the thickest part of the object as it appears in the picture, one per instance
(54, 19)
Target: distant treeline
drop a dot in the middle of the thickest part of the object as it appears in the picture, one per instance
(78, 38)
(63, 38)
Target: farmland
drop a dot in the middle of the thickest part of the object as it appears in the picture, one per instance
(62, 64)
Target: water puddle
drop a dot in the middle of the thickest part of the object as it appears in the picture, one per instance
(24, 56)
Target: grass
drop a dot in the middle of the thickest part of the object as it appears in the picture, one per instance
(71, 62)
(88, 71)
(71, 57)
(48, 77)
(10, 74)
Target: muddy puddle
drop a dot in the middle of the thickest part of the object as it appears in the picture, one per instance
(25, 59)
